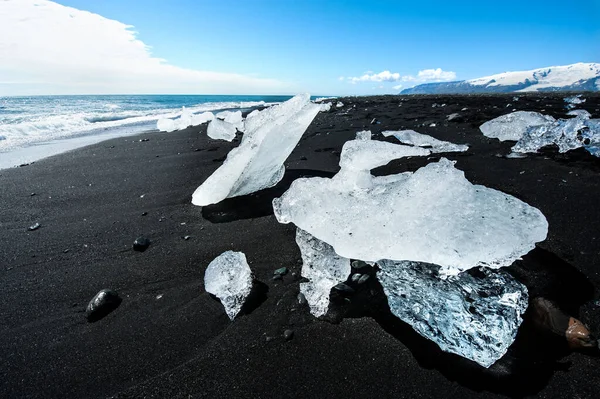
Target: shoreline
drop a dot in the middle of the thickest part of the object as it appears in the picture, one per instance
(169, 338)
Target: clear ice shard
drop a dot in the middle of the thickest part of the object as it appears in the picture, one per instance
(434, 215)
(229, 278)
(410, 137)
(573, 101)
(221, 130)
(514, 125)
(580, 112)
(323, 268)
(233, 117)
(186, 119)
(474, 315)
(567, 134)
(270, 137)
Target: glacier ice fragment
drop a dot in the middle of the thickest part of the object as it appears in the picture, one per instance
(573, 101)
(472, 315)
(198, 119)
(233, 117)
(323, 268)
(186, 119)
(580, 112)
(514, 125)
(229, 278)
(567, 134)
(433, 215)
(257, 163)
(221, 130)
(410, 137)
(363, 135)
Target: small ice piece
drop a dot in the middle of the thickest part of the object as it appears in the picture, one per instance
(221, 130)
(198, 119)
(323, 268)
(270, 136)
(582, 113)
(567, 134)
(233, 117)
(433, 215)
(166, 125)
(573, 101)
(516, 98)
(475, 316)
(229, 278)
(453, 116)
(326, 107)
(339, 104)
(363, 135)
(514, 125)
(432, 125)
(411, 137)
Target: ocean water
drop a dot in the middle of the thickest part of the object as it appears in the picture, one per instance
(35, 127)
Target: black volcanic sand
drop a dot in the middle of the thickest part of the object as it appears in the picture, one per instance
(169, 338)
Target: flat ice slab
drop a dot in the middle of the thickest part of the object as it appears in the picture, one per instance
(410, 137)
(434, 215)
(475, 316)
(323, 268)
(269, 138)
(221, 130)
(229, 278)
(514, 125)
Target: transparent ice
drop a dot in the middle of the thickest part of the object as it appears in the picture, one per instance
(323, 268)
(513, 126)
(567, 134)
(573, 101)
(433, 215)
(229, 278)
(269, 138)
(410, 137)
(233, 117)
(186, 119)
(472, 315)
(580, 112)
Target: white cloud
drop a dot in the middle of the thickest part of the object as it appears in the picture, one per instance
(397, 87)
(385, 76)
(435, 75)
(47, 48)
(426, 75)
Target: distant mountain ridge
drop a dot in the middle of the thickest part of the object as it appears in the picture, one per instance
(575, 77)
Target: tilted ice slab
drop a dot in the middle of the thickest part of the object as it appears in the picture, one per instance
(229, 278)
(411, 137)
(270, 136)
(474, 317)
(572, 101)
(233, 117)
(221, 130)
(323, 268)
(581, 113)
(513, 126)
(567, 134)
(434, 215)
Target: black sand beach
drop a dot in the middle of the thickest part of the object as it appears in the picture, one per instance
(169, 338)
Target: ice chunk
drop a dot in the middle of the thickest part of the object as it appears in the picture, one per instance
(221, 130)
(166, 125)
(472, 315)
(581, 113)
(433, 215)
(326, 107)
(323, 268)
(567, 134)
(339, 104)
(573, 101)
(513, 126)
(411, 137)
(204, 117)
(186, 119)
(229, 278)
(257, 163)
(233, 117)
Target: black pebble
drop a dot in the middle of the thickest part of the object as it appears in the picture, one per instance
(102, 304)
(288, 334)
(141, 244)
(144, 213)
(344, 288)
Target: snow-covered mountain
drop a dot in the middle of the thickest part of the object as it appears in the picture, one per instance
(576, 77)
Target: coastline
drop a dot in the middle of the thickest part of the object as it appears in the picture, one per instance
(169, 338)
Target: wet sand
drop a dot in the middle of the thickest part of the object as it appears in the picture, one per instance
(169, 338)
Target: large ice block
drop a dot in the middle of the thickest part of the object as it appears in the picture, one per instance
(270, 136)
(410, 137)
(472, 315)
(514, 125)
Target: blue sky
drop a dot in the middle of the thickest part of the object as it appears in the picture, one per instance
(308, 45)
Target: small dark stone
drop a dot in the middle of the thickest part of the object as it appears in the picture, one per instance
(344, 288)
(288, 334)
(197, 150)
(282, 271)
(277, 277)
(144, 213)
(269, 339)
(356, 277)
(102, 304)
(66, 251)
(187, 237)
(32, 194)
(23, 164)
(303, 159)
(34, 227)
(363, 279)
(144, 140)
(141, 244)
(302, 299)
